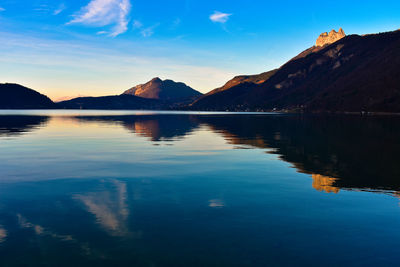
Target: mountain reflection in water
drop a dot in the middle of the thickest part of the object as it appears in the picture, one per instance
(338, 151)
(155, 127)
(198, 189)
(356, 152)
(17, 125)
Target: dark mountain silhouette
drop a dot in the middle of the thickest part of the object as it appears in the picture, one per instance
(111, 102)
(356, 73)
(166, 90)
(231, 90)
(15, 96)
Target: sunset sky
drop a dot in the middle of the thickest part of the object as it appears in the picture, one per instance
(103, 47)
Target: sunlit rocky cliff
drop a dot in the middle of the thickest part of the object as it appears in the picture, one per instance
(329, 38)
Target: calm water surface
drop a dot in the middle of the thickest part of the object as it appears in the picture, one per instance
(120, 188)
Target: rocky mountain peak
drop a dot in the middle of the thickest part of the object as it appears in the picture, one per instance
(329, 38)
(156, 79)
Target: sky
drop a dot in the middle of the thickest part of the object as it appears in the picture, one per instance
(68, 48)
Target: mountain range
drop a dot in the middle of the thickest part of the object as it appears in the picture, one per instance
(354, 73)
(339, 74)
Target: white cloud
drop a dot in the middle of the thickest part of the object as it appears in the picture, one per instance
(102, 13)
(2, 9)
(60, 9)
(219, 17)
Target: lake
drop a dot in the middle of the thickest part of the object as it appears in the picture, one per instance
(137, 188)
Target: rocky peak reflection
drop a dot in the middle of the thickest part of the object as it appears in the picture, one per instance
(324, 183)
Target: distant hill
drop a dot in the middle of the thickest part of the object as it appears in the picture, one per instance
(15, 96)
(66, 98)
(166, 90)
(111, 102)
(156, 94)
(353, 74)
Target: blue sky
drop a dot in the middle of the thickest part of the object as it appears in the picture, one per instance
(102, 47)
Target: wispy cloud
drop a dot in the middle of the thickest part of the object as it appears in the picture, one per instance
(219, 17)
(102, 13)
(176, 22)
(149, 31)
(42, 8)
(60, 9)
(144, 31)
(2, 9)
(137, 24)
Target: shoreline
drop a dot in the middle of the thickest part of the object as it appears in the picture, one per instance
(177, 111)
